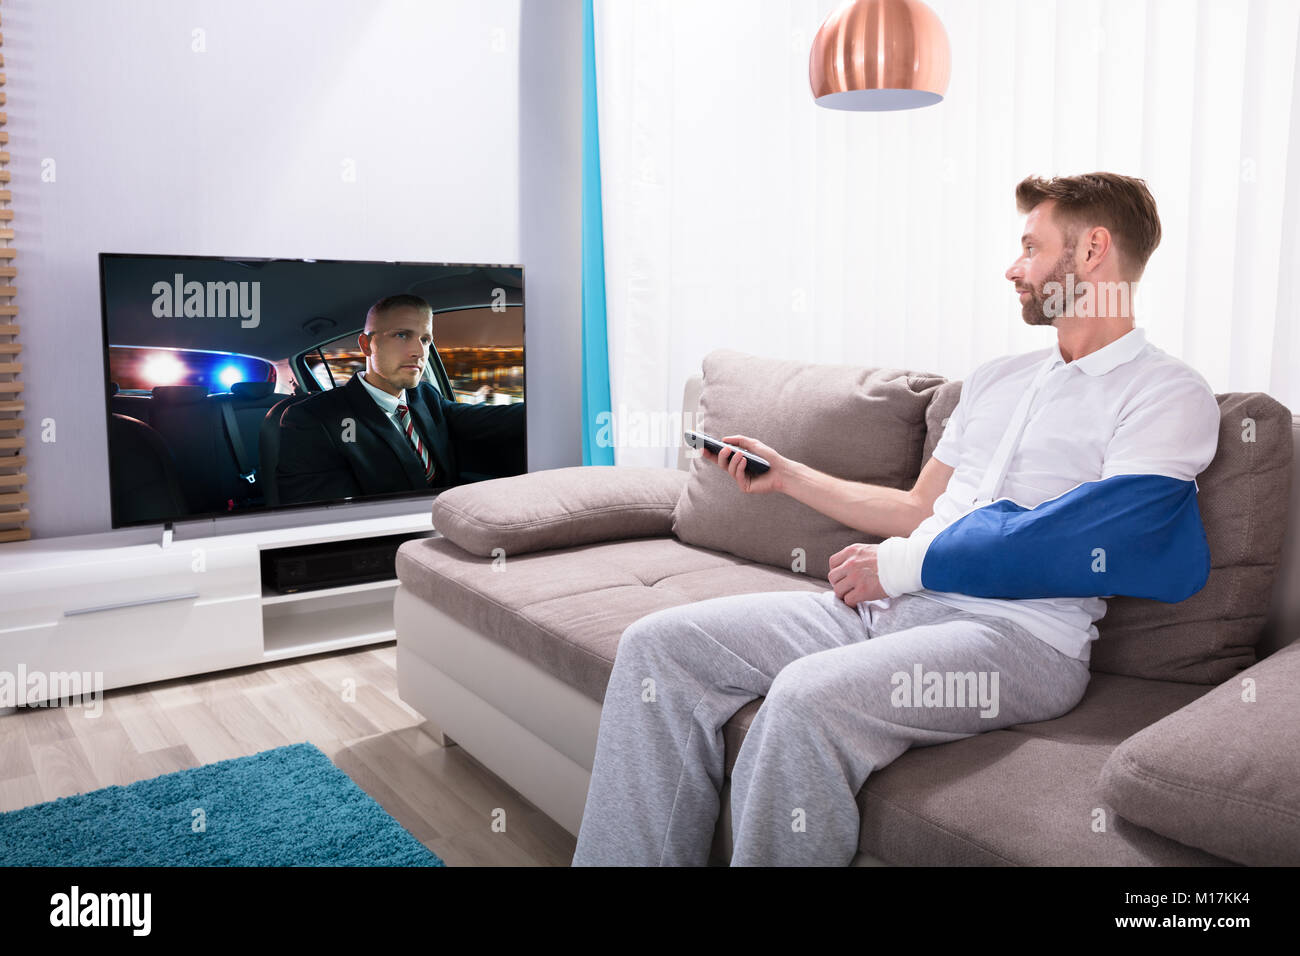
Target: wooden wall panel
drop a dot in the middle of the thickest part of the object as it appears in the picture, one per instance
(13, 445)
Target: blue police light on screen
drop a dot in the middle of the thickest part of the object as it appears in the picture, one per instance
(228, 375)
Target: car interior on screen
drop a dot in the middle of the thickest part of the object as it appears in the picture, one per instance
(196, 400)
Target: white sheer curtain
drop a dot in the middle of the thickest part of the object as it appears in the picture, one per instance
(738, 214)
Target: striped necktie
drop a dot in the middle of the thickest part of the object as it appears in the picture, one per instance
(408, 425)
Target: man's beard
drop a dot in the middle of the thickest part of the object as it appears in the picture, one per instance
(1034, 309)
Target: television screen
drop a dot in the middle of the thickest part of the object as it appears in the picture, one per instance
(240, 385)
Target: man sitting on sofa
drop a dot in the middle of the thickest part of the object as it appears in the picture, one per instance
(1064, 476)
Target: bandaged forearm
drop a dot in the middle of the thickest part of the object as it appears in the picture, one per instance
(1133, 535)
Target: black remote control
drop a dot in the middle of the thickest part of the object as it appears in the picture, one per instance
(753, 464)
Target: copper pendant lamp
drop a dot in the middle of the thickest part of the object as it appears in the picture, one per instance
(879, 55)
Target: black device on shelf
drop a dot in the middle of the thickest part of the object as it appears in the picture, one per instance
(310, 567)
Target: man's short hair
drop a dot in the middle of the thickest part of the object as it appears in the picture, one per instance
(1122, 204)
(401, 300)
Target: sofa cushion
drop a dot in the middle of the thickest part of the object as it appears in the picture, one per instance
(559, 508)
(1025, 795)
(1006, 798)
(565, 610)
(1222, 773)
(1243, 497)
(855, 423)
(937, 413)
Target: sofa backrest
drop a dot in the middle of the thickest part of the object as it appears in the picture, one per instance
(1282, 623)
(1284, 614)
(1286, 597)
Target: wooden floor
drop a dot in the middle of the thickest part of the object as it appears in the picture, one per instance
(440, 794)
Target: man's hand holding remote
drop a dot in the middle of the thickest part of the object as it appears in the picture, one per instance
(771, 480)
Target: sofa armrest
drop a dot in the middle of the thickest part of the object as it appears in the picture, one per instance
(1223, 772)
(558, 508)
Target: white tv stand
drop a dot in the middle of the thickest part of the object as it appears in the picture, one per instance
(145, 612)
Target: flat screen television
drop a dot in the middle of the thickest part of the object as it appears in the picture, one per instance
(236, 386)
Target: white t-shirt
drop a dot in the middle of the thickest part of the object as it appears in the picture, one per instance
(1128, 408)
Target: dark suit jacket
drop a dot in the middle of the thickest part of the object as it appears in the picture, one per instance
(316, 463)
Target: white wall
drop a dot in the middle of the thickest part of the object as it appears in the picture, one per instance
(241, 148)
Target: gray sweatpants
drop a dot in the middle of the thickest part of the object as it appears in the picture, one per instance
(842, 699)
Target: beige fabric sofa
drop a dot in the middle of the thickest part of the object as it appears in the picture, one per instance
(1183, 751)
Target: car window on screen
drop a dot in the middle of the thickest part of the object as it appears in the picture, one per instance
(482, 349)
(333, 364)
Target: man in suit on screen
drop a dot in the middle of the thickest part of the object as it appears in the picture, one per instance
(388, 430)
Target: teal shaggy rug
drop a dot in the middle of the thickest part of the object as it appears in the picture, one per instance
(284, 807)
